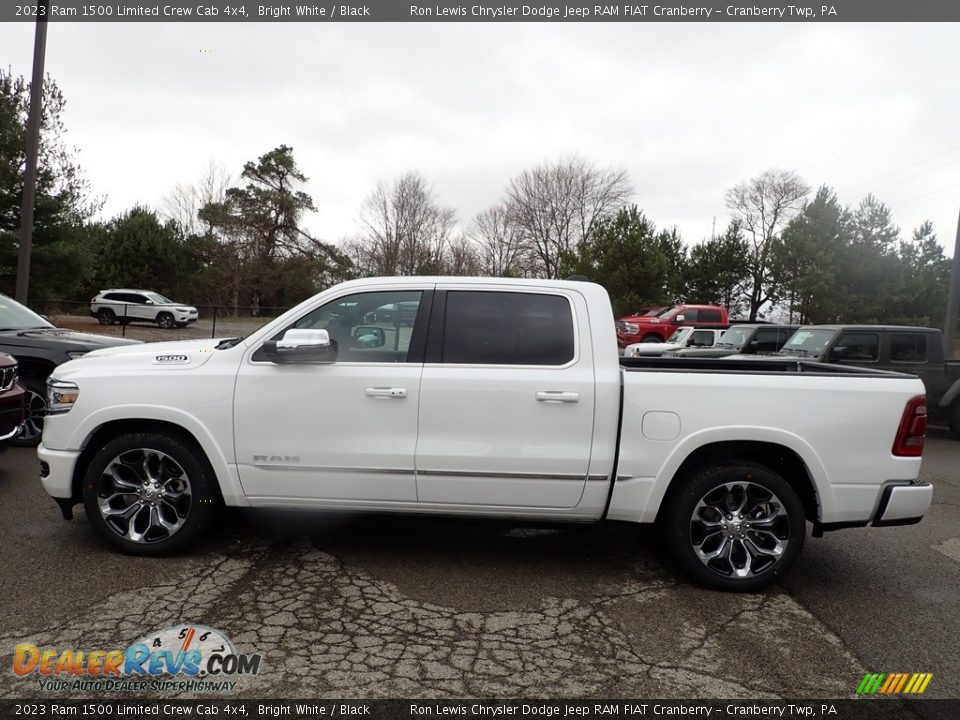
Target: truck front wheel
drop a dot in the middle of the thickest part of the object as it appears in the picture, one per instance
(734, 526)
(149, 493)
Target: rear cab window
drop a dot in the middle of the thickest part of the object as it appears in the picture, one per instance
(507, 328)
(909, 347)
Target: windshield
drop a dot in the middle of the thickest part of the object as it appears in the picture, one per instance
(666, 311)
(808, 342)
(735, 337)
(159, 299)
(14, 316)
(677, 335)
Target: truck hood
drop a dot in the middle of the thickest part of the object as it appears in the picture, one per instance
(178, 355)
(640, 349)
(712, 352)
(66, 340)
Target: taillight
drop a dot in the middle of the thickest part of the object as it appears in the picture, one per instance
(913, 429)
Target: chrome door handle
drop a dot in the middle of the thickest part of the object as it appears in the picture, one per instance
(387, 392)
(557, 396)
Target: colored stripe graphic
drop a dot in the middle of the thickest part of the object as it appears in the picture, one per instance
(894, 683)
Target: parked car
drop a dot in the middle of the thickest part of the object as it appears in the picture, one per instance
(125, 306)
(506, 399)
(745, 339)
(12, 400)
(657, 328)
(687, 336)
(39, 347)
(914, 350)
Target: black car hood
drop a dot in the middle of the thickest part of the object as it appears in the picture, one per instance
(56, 338)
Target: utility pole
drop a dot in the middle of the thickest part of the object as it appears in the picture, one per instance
(953, 301)
(33, 151)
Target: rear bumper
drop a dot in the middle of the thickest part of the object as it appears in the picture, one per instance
(903, 504)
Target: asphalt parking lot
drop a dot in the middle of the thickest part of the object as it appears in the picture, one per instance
(350, 606)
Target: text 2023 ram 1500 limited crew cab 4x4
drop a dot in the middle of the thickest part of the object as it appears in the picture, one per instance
(503, 398)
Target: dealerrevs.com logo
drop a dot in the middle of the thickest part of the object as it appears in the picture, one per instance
(180, 658)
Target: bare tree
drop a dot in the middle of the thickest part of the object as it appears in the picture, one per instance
(404, 231)
(460, 257)
(763, 205)
(184, 203)
(556, 206)
(500, 248)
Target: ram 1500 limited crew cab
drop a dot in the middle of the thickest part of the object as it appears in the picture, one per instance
(500, 398)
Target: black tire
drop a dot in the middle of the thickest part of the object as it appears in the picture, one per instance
(106, 316)
(748, 558)
(36, 410)
(166, 321)
(953, 419)
(157, 480)
(181, 325)
(651, 338)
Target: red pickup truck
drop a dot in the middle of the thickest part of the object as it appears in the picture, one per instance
(657, 328)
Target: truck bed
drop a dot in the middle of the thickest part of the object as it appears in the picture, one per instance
(765, 366)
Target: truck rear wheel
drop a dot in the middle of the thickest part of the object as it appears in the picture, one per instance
(734, 526)
(149, 493)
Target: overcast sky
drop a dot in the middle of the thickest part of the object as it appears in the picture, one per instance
(687, 109)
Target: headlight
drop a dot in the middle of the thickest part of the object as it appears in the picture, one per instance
(61, 395)
(631, 328)
(76, 354)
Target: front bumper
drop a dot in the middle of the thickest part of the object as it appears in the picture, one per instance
(56, 471)
(903, 504)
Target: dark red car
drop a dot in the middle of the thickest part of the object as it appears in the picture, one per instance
(12, 400)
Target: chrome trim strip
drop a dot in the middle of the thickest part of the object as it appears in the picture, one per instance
(432, 473)
(12, 434)
(621, 478)
(510, 475)
(317, 468)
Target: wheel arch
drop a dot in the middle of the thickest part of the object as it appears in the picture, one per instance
(226, 483)
(781, 459)
(34, 368)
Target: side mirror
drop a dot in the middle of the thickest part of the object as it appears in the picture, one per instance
(839, 352)
(149, 302)
(369, 336)
(678, 318)
(302, 346)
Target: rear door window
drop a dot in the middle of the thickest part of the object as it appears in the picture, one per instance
(507, 328)
(709, 316)
(907, 347)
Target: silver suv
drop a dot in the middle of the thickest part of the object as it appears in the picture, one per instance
(124, 306)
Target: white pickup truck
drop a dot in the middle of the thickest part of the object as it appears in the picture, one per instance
(486, 398)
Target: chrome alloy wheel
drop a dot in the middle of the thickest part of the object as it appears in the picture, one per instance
(144, 495)
(740, 529)
(36, 412)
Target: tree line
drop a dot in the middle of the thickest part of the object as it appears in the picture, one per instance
(789, 251)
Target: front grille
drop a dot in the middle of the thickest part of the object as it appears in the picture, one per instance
(8, 376)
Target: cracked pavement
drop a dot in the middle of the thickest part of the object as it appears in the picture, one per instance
(374, 606)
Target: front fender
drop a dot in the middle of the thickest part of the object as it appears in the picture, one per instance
(222, 464)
